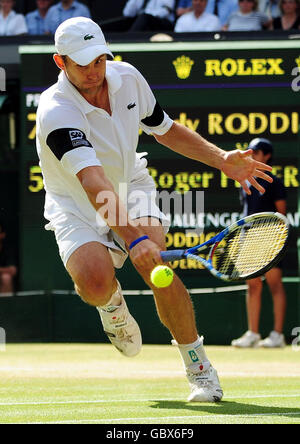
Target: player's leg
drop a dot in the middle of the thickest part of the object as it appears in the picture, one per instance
(173, 303)
(253, 303)
(92, 270)
(176, 312)
(274, 281)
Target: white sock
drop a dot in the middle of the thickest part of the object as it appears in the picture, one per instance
(114, 302)
(193, 353)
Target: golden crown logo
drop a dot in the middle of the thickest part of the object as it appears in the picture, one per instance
(241, 146)
(298, 61)
(183, 66)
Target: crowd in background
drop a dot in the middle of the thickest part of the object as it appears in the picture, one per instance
(159, 15)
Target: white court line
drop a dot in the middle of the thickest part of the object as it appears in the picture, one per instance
(167, 418)
(103, 401)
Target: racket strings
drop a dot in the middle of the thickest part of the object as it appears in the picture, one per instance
(251, 248)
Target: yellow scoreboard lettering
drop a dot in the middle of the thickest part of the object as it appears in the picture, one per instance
(290, 177)
(166, 180)
(258, 67)
(214, 123)
(241, 67)
(192, 125)
(183, 181)
(279, 123)
(241, 123)
(242, 70)
(224, 181)
(229, 67)
(294, 122)
(258, 123)
(36, 179)
(32, 118)
(254, 123)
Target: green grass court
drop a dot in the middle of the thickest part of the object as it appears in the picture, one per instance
(94, 384)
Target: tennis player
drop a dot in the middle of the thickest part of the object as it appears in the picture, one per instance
(87, 135)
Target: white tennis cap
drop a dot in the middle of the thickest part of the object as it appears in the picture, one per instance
(81, 39)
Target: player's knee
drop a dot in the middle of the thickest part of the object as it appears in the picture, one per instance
(96, 292)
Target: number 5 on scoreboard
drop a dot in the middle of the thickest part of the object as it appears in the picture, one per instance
(35, 179)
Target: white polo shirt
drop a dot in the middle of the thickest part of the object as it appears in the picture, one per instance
(73, 134)
(13, 24)
(205, 23)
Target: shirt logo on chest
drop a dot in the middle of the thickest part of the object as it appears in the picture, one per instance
(131, 105)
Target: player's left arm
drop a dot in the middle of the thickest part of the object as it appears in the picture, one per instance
(237, 165)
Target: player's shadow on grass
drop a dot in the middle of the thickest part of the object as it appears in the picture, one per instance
(227, 408)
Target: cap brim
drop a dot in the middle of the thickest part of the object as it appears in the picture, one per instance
(87, 55)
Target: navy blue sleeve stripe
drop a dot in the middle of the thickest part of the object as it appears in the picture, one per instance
(63, 140)
(157, 117)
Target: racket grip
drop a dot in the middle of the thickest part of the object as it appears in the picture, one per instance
(169, 256)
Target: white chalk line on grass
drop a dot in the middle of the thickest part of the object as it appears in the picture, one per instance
(155, 373)
(134, 400)
(168, 418)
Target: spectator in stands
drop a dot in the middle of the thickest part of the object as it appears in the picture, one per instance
(270, 8)
(151, 15)
(198, 20)
(290, 18)
(183, 6)
(247, 18)
(11, 23)
(7, 269)
(64, 10)
(222, 8)
(36, 20)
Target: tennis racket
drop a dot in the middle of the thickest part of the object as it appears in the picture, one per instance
(244, 250)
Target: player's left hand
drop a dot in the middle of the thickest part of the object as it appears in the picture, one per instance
(239, 165)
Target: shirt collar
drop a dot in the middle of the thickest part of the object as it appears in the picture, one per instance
(10, 15)
(37, 15)
(113, 78)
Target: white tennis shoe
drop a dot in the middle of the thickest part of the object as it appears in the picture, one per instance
(274, 340)
(248, 340)
(122, 329)
(205, 384)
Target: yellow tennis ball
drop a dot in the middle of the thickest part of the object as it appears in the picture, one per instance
(162, 276)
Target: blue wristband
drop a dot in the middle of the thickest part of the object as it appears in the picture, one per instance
(137, 241)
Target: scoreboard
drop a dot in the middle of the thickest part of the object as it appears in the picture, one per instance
(229, 92)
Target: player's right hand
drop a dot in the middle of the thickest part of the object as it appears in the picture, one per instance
(146, 255)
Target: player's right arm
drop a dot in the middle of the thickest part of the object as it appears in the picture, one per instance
(109, 206)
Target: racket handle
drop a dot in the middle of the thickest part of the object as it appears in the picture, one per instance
(169, 256)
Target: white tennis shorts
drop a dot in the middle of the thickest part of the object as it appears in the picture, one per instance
(72, 231)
